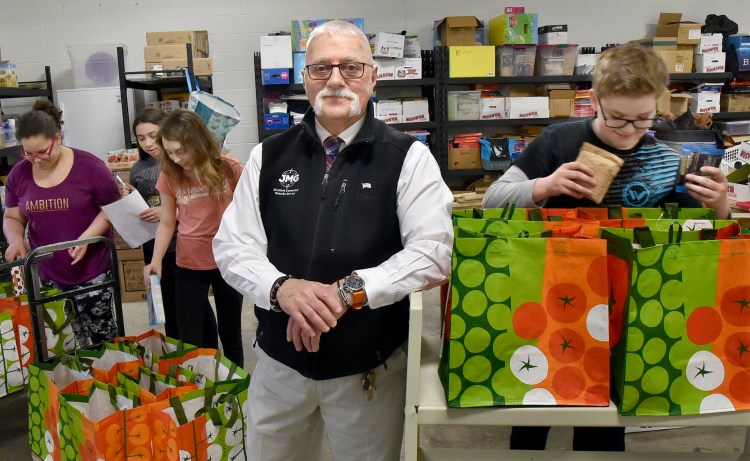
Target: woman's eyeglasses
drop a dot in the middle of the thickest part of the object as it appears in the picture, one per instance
(44, 154)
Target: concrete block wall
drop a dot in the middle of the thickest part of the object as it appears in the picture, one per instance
(35, 33)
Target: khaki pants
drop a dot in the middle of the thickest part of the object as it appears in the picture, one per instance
(288, 413)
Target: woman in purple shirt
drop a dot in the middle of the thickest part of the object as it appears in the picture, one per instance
(57, 193)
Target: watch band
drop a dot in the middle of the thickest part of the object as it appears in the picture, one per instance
(342, 294)
(358, 299)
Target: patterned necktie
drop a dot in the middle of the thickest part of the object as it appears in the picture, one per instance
(331, 145)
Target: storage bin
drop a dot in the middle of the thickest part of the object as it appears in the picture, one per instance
(95, 65)
(556, 59)
(515, 60)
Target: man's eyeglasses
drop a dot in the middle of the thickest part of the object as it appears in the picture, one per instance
(44, 154)
(639, 123)
(348, 70)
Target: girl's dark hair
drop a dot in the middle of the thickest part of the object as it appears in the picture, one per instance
(148, 115)
(43, 119)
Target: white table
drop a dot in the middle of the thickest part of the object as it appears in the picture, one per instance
(425, 405)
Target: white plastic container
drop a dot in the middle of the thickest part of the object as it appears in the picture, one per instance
(95, 65)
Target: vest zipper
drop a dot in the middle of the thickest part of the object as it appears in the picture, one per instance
(317, 226)
(342, 191)
(325, 183)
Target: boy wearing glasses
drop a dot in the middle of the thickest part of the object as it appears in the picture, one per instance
(334, 222)
(627, 81)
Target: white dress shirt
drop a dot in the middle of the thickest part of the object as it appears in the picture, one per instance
(424, 213)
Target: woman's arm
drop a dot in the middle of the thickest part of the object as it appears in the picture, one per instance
(164, 233)
(14, 226)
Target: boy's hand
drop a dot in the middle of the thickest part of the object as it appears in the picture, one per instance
(710, 188)
(565, 181)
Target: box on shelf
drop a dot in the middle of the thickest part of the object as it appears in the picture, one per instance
(710, 62)
(389, 111)
(514, 29)
(276, 52)
(704, 102)
(202, 67)
(299, 65)
(735, 128)
(458, 30)
(471, 61)
(677, 61)
(527, 107)
(412, 47)
(386, 68)
(585, 63)
(671, 25)
(710, 43)
(301, 29)
(276, 121)
(553, 35)
(464, 105)
(561, 102)
(8, 77)
(676, 103)
(415, 110)
(735, 102)
(515, 60)
(95, 66)
(275, 76)
(384, 44)
(464, 158)
(158, 53)
(407, 68)
(132, 288)
(492, 108)
(197, 38)
(555, 59)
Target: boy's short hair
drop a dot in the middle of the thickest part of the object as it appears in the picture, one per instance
(630, 70)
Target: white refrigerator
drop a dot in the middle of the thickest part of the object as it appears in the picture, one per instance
(93, 119)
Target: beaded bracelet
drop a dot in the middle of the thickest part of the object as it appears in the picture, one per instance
(275, 290)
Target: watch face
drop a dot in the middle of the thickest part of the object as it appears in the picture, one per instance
(354, 283)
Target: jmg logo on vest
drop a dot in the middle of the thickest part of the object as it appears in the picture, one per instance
(289, 178)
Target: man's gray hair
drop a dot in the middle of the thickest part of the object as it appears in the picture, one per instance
(339, 28)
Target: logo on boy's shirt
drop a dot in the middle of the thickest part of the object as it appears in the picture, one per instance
(47, 204)
(636, 194)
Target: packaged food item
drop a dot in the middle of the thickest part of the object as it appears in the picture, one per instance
(605, 164)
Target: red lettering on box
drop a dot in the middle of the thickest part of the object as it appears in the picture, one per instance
(715, 69)
(529, 115)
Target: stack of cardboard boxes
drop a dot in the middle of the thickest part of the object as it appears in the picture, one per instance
(167, 50)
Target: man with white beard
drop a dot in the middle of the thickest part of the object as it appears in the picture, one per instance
(333, 223)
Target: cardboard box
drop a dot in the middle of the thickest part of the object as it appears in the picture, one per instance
(553, 35)
(386, 68)
(276, 121)
(389, 111)
(671, 25)
(8, 77)
(407, 68)
(514, 29)
(492, 108)
(301, 29)
(130, 265)
(412, 47)
(276, 52)
(710, 43)
(677, 61)
(735, 102)
(710, 62)
(705, 102)
(471, 61)
(464, 105)
(464, 158)
(415, 110)
(561, 103)
(458, 30)
(275, 76)
(202, 67)
(299, 66)
(585, 63)
(677, 103)
(197, 38)
(387, 45)
(158, 53)
(527, 107)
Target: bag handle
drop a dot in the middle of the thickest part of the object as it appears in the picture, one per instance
(643, 236)
(614, 212)
(535, 214)
(672, 232)
(508, 211)
(671, 210)
(191, 81)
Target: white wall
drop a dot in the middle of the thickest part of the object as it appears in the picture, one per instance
(34, 33)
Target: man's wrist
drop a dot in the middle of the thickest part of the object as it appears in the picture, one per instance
(275, 291)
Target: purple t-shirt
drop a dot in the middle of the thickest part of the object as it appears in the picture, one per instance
(61, 213)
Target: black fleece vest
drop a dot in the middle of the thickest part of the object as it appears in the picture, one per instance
(322, 228)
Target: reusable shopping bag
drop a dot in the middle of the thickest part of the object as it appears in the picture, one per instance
(106, 424)
(11, 371)
(152, 387)
(153, 345)
(527, 323)
(218, 115)
(685, 311)
(111, 359)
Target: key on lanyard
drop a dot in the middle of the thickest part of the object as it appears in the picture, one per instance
(368, 384)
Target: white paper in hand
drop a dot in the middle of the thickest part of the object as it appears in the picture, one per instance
(125, 216)
(155, 301)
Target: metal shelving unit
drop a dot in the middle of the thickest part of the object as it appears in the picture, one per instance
(24, 91)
